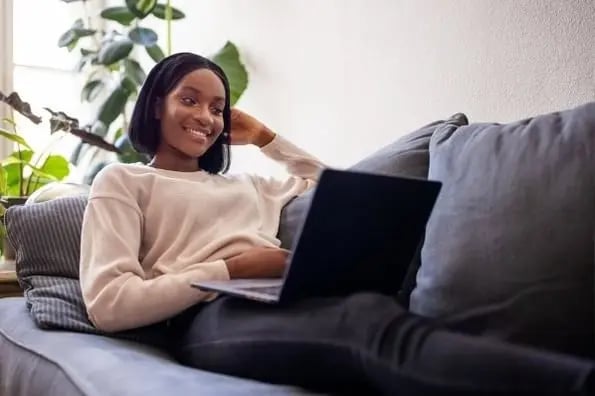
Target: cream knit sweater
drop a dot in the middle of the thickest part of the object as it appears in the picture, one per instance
(147, 233)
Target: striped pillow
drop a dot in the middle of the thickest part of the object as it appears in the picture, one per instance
(46, 238)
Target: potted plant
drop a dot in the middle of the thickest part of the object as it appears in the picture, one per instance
(25, 171)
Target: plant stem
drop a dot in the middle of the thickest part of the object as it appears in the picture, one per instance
(21, 167)
(124, 121)
(90, 24)
(86, 11)
(168, 15)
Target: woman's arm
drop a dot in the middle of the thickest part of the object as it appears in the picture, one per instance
(303, 167)
(118, 291)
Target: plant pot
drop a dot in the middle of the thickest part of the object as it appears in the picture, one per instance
(8, 253)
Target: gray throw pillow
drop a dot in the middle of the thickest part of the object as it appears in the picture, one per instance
(509, 248)
(46, 238)
(408, 156)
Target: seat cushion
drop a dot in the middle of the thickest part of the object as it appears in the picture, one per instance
(509, 247)
(43, 362)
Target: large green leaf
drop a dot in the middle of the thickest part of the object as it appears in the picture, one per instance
(2, 183)
(13, 179)
(14, 138)
(155, 52)
(87, 56)
(67, 38)
(134, 71)
(12, 168)
(159, 12)
(141, 8)
(114, 51)
(25, 155)
(55, 166)
(228, 58)
(71, 36)
(84, 32)
(121, 15)
(113, 106)
(91, 90)
(38, 172)
(34, 170)
(14, 160)
(127, 84)
(143, 36)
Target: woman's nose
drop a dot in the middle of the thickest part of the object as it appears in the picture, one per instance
(203, 115)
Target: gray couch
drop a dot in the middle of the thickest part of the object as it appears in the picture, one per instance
(508, 254)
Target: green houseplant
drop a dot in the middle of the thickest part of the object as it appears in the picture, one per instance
(110, 60)
(25, 171)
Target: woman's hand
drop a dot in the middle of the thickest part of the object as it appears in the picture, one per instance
(258, 262)
(246, 129)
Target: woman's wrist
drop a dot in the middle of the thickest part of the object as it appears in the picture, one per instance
(264, 137)
(233, 268)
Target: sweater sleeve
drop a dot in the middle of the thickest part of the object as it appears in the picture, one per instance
(118, 292)
(303, 168)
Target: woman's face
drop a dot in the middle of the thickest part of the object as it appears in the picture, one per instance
(191, 115)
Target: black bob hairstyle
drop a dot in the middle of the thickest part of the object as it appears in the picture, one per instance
(145, 130)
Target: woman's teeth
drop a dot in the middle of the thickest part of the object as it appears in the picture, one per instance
(196, 132)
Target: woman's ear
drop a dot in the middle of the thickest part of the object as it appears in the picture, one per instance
(158, 108)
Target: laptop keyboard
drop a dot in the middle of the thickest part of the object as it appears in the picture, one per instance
(271, 290)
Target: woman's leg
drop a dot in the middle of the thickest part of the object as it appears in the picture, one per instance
(365, 340)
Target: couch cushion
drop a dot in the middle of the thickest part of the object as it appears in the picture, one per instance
(408, 156)
(46, 239)
(41, 362)
(509, 248)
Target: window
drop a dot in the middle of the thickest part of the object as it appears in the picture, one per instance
(42, 73)
(5, 62)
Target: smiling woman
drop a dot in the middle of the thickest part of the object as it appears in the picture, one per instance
(186, 115)
(191, 118)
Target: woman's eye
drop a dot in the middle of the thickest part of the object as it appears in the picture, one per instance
(217, 111)
(188, 101)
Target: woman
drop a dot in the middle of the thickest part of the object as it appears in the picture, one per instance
(149, 231)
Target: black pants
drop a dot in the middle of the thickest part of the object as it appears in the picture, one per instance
(364, 344)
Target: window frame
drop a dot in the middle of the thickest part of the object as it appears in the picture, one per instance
(6, 64)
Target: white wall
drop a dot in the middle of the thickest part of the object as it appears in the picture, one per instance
(343, 77)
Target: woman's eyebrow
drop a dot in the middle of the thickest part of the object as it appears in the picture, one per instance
(198, 92)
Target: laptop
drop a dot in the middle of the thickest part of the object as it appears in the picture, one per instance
(360, 233)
